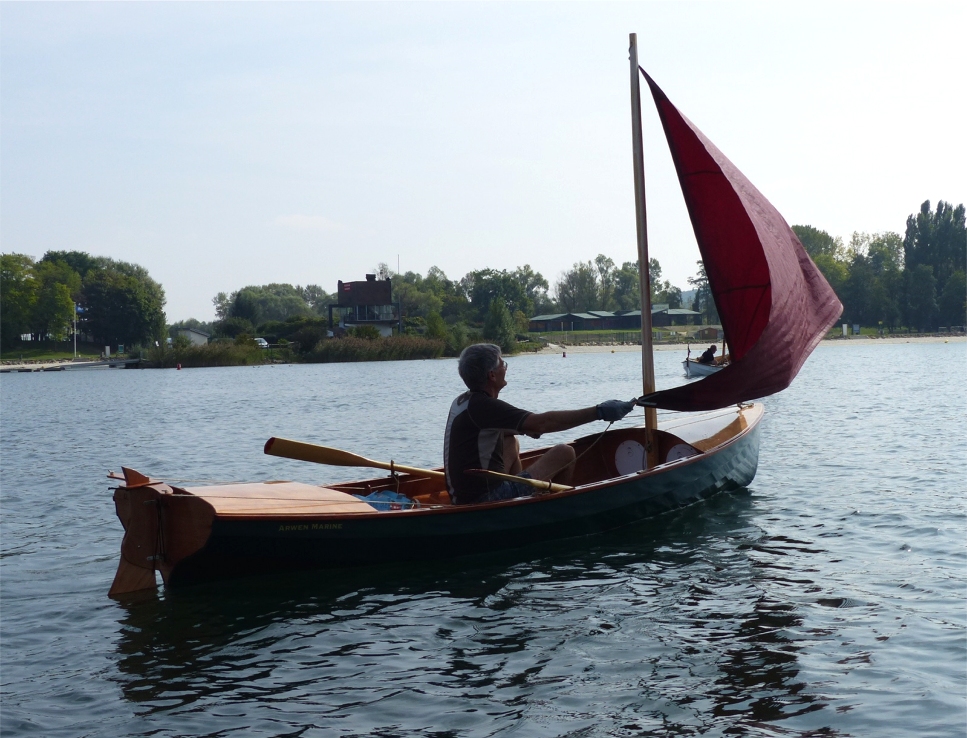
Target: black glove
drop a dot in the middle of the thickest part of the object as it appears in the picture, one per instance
(612, 410)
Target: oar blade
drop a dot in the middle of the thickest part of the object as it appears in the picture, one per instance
(302, 451)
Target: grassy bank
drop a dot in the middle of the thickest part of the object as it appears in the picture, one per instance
(391, 348)
(214, 354)
(50, 351)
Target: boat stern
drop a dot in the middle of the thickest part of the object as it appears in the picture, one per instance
(162, 526)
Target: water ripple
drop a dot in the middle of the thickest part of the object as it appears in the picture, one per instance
(825, 600)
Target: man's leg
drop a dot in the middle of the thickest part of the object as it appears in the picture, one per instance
(511, 454)
(557, 465)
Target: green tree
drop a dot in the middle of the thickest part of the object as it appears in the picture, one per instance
(577, 289)
(953, 300)
(435, 326)
(627, 291)
(369, 332)
(858, 291)
(607, 283)
(662, 292)
(18, 294)
(57, 287)
(827, 253)
(123, 304)
(486, 285)
(818, 243)
(872, 288)
(270, 302)
(317, 299)
(669, 295)
(535, 289)
(834, 270)
(78, 261)
(921, 297)
(457, 339)
(703, 302)
(499, 326)
(234, 327)
(223, 304)
(937, 239)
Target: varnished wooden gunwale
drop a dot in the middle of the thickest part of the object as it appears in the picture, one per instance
(237, 543)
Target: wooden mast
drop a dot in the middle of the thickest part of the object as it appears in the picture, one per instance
(644, 279)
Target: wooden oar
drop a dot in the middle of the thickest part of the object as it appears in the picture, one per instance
(324, 455)
(538, 483)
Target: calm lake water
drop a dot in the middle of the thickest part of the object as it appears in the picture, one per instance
(828, 599)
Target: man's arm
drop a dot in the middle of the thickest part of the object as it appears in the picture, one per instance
(537, 424)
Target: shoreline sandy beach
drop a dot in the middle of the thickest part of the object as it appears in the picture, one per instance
(558, 349)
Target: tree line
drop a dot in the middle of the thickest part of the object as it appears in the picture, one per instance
(916, 280)
(115, 302)
(485, 304)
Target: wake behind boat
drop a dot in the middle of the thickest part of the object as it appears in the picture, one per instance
(774, 305)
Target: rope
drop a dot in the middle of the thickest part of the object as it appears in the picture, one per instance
(578, 457)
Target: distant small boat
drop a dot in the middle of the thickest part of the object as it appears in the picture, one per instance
(774, 304)
(695, 368)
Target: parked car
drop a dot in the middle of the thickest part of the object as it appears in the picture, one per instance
(262, 342)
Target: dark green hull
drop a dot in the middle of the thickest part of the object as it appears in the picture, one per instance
(240, 546)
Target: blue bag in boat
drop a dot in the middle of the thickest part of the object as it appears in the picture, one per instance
(385, 499)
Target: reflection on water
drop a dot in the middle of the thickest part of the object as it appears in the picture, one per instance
(826, 600)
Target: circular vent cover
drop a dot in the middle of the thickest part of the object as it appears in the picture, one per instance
(630, 457)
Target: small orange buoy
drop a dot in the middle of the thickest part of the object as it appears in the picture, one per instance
(179, 366)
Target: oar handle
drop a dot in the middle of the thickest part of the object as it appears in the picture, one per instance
(302, 451)
(537, 483)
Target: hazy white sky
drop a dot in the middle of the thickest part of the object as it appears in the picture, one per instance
(226, 144)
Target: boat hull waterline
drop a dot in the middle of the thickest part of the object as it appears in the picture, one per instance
(189, 537)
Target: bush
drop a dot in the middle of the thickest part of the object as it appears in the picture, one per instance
(213, 354)
(369, 332)
(308, 336)
(391, 348)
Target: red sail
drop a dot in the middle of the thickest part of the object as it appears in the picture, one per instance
(774, 303)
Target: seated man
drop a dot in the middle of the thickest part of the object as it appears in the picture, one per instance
(481, 432)
(708, 357)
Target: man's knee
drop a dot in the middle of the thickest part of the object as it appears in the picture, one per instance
(564, 452)
(556, 460)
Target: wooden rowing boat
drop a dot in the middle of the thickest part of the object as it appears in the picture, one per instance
(695, 368)
(774, 305)
(191, 534)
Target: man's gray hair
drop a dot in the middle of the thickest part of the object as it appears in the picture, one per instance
(476, 362)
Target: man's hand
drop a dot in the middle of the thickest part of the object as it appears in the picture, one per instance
(612, 410)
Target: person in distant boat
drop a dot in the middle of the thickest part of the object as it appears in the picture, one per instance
(481, 433)
(709, 356)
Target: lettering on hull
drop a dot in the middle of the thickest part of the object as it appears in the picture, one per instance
(309, 526)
